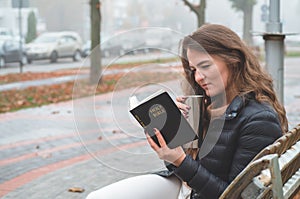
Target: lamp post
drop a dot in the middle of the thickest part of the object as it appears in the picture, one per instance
(20, 32)
(274, 47)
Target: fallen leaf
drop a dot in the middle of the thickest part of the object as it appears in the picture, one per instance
(116, 131)
(76, 189)
(20, 102)
(45, 94)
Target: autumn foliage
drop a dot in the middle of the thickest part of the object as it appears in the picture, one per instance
(11, 100)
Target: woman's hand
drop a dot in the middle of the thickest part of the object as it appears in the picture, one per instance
(174, 156)
(180, 102)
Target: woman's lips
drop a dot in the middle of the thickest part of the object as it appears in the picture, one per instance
(204, 86)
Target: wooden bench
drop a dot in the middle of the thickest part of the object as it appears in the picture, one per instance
(273, 173)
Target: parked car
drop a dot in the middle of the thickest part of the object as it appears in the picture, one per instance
(86, 49)
(132, 42)
(54, 45)
(159, 38)
(119, 44)
(5, 32)
(10, 52)
(112, 47)
(108, 48)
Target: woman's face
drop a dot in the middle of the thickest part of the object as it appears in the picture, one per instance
(210, 72)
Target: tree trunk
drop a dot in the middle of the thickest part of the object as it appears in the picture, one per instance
(199, 10)
(95, 56)
(201, 13)
(247, 26)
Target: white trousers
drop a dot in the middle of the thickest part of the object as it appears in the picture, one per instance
(150, 186)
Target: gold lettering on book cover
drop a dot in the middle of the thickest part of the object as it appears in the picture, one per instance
(157, 110)
(140, 121)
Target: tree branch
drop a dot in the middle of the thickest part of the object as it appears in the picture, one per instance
(191, 6)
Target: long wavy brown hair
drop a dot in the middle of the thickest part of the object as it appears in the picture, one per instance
(247, 73)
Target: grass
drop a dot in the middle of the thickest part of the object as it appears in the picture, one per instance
(292, 54)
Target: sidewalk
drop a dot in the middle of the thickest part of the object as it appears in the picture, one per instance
(43, 153)
(85, 143)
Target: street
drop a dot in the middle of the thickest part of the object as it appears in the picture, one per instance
(68, 63)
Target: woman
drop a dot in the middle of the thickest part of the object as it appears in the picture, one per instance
(239, 101)
(240, 112)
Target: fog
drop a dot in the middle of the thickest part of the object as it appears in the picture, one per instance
(119, 15)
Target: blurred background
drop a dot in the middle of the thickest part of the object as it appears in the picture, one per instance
(120, 15)
(22, 21)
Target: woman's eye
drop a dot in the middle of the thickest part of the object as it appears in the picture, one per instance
(205, 66)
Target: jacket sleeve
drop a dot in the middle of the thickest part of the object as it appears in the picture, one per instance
(258, 132)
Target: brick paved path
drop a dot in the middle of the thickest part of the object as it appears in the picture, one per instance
(47, 150)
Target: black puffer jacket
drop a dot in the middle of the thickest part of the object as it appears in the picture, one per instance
(246, 128)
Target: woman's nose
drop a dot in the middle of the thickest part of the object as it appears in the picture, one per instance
(199, 76)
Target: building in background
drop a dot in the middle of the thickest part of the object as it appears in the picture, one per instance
(10, 17)
(66, 15)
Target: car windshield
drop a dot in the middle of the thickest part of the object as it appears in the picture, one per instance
(45, 39)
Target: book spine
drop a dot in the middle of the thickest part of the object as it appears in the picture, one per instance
(140, 121)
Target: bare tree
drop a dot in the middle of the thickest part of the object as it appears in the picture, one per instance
(198, 9)
(95, 68)
(247, 8)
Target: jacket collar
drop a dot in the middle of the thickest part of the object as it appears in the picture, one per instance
(236, 105)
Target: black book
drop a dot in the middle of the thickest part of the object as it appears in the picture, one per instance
(159, 111)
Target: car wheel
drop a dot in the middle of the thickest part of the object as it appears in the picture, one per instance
(53, 57)
(24, 60)
(2, 62)
(77, 55)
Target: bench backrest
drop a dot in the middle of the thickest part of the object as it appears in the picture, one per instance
(273, 173)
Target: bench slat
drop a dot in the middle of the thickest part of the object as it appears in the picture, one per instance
(273, 173)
